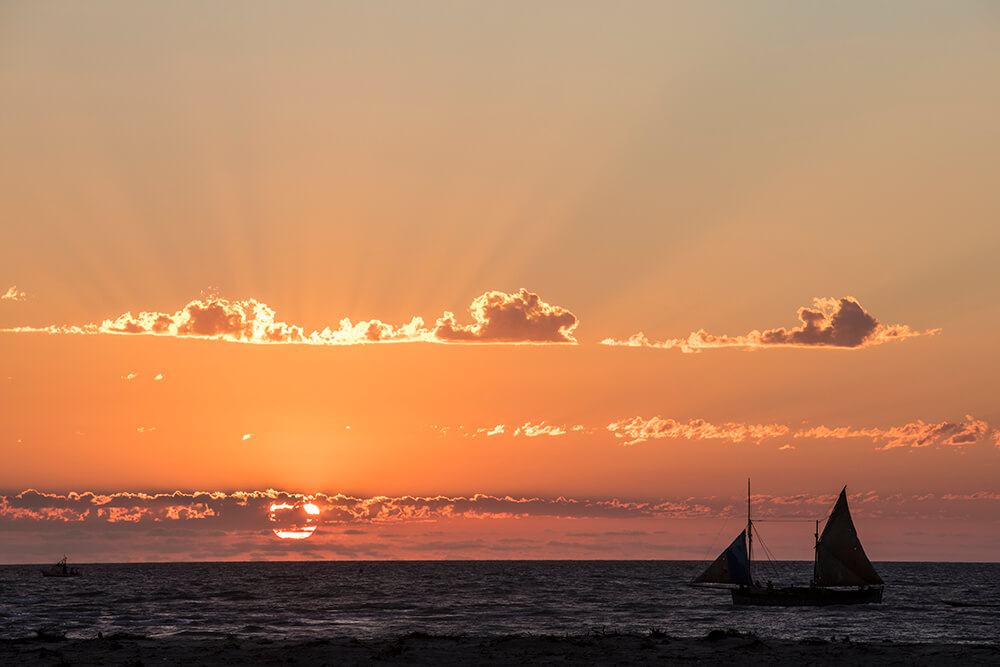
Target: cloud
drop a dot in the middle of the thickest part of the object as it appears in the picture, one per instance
(130, 376)
(913, 434)
(996, 437)
(830, 323)
(637, 430)
(510, 318)
(33, 505)
(499, 318)
(226, 512)
(250, 321)
(249, 509)
(977, 495)
(526, 430)
(530, 430)
(13, 294)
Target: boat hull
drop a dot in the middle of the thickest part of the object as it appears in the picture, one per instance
(812, 596)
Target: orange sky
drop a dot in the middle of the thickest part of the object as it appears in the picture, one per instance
(220, 223)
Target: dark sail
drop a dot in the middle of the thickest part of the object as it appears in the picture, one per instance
(840, 558)
(731, 567)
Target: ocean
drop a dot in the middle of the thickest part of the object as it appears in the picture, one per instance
(302, 600)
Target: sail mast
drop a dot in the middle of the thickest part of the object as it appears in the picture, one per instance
(815, 578)
(749, 535)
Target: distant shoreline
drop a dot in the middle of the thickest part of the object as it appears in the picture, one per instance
(718, 647)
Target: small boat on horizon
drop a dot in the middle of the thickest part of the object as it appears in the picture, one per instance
(842, 573)
(61, 569)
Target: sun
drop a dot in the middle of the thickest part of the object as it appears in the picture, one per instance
(294, 521)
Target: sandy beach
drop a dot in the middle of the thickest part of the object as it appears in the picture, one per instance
(717, 647)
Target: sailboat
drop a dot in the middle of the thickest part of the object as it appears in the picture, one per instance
(61, 569)
(842, 573)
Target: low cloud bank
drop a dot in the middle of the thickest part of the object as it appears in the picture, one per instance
(253, 510)
(250, 509)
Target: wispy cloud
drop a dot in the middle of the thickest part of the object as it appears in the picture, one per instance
(526, 430)
(638, 430)
(530, 430)
(498, 318)
(913, 434)
(830, 323)
(13, 294)
(977, 495)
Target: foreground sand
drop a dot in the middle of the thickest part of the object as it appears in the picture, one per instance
(419, 649)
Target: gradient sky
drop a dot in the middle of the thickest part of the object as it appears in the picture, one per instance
(796, 204)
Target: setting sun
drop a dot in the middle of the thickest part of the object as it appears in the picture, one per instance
(293, 521)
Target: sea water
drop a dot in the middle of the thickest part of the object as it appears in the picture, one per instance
(371, 599)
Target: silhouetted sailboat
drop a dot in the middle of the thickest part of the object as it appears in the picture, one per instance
(840, 562)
